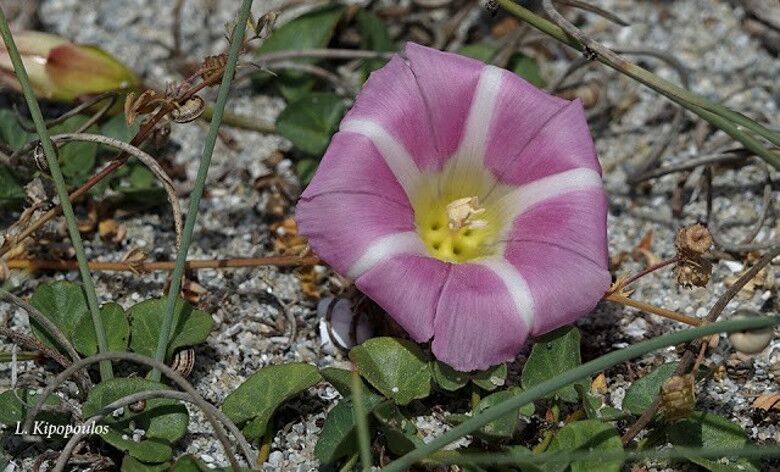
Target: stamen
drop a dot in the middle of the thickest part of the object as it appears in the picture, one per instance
(461, 213)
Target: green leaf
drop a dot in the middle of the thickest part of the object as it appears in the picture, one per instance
(707, 430)
(11, 131)
(341, 379)
(375, 38)
(594, 406)
(131, 464)
(552, 354)
(14, 405)
(189, 463)
(190, 326)
(587, 435)
(257, 399)
(162, 419)
(338, 437)
(76, 158)
(145, 450)
(117, 331)
(480, 51)
(311, 30)
(505, 426)
(400, 432)
(11, 193)
(395, 367)
(61, 302)
(116, 127)
(490, 379)
(305, 169)
(641, 394)
(310, 121)
(527, 68)
(448, 378)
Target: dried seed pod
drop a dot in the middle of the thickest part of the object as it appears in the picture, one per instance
(212, 69)
(693, 240)
(190, 111)
(693, 271)
(184, 361)
(678, 397)
(751, 341)
(739, 367)
(39, 158)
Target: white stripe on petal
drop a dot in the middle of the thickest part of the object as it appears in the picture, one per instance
(517, 287)
(395, 155)
(387, 246)
(473, 143)
(516, 201)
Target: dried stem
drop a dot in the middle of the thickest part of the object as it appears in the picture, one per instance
(146, 159)
(688, 357)
(278, 261)
(138, 359)
(618, 297)
(646, 271)
(62, 460)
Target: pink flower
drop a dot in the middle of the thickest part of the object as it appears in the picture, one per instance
(464, 201)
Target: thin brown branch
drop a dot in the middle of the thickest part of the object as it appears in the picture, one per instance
(67, 265)
(618, 297)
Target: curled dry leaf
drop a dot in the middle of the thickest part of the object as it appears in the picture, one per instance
(643, 251)
(599, 384)
(769, 401)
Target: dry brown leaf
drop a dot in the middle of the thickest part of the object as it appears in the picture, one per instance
(643, 251)
(599, 384)
(769, 401)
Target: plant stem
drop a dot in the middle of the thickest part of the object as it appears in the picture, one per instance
(646, 271)
(565, 378)
(62, 191)
(715, 113)
(361, 420)
(617, 297)
(236, 42)
(278, 261)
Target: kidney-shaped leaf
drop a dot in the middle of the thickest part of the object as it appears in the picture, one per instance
(552, 354)
(707, 430)
(190, 326)
(641, 394)
(116, 326)
(587, 435)
(256, 399)
(395, 367)
(61, 302)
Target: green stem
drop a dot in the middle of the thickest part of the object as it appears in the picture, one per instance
(361, 420)
(715, 113)
(62, 190)
(567, 457)
(20, 356)
(236, 42)
(570, 376)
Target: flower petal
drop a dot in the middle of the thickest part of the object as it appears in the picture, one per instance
(448, 83)
(342, 226)
(559, 249)
(559, 139)
(408, 287)
(477, 322)
(391, 106)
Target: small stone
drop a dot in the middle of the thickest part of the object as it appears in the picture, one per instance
(275, 458)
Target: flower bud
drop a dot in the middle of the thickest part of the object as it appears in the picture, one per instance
(62, 71)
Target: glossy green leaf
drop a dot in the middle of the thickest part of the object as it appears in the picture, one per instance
(586, 435)
(399, 431)
(641, 394)
(11, 193)
(338, 437)
(310, 121)
(162, 419)
(552, 354)
(11, 131)
(395, 367)
(375, 38)
(64, 303)
(448, 378)
(311, 30)
(190, 326)
(341, 379)
(491, 378)
(14, 405)
(256, 400)
(707, 430)
(145, 450)
(505, 426)
(117, 331)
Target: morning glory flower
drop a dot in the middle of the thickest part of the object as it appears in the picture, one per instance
(465, 202)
